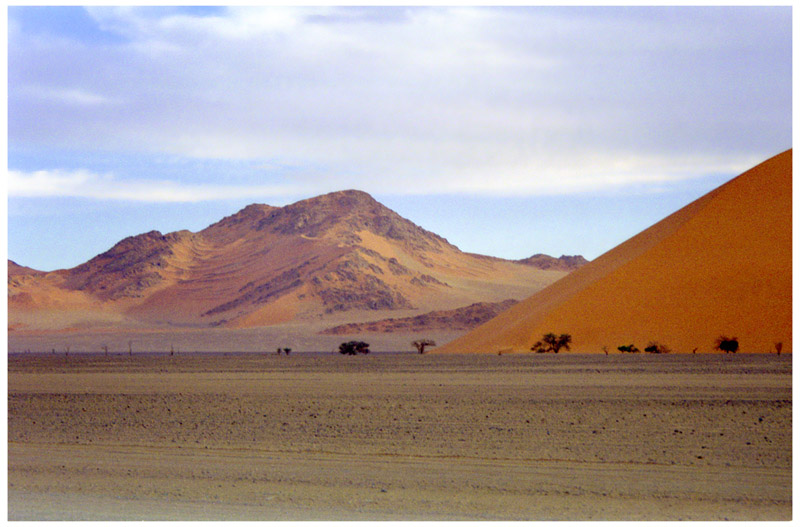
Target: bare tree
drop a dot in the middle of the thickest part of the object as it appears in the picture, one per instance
(422, 344)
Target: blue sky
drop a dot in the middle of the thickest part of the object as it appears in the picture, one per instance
(508, 131)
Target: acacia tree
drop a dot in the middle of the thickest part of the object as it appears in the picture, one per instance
(728, 345)
(552, 343)
(421, 344)
(630, 348)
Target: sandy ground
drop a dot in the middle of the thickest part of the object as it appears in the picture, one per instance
(400, 437)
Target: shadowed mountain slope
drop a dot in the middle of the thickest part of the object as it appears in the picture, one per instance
(462, 318)
(722, 265)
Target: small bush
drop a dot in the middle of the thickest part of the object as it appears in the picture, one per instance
(728, 345)
(655, 347)
(630, 348)
(353, 347)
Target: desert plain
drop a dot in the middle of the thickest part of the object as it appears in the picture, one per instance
(399, 436)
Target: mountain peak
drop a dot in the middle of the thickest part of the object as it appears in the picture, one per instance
(339, 215)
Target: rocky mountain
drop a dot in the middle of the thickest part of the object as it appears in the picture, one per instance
(720, 266)
(562, 263)
(463, 318)
(340, 257)
(14, 270)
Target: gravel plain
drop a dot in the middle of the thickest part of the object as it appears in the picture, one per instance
(399, 436)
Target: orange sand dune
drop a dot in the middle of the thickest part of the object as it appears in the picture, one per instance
(722, 265)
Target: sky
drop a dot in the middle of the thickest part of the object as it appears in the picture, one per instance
(509, 131)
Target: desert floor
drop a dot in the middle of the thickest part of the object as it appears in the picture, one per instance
(399, 436)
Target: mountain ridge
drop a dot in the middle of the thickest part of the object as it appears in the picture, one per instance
(342, 252)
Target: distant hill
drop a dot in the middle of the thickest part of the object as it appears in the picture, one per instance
(721, 266)
(562, 263)
(463, 318)
(340, 257)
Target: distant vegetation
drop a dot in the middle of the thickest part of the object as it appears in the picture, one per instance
(353, 347)
(552, 343)
(422, 344)
(655, 347)
(284, 350)
(728, 345)
(630, 348)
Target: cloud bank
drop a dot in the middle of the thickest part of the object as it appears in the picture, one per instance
(404, 100)
(85, 184)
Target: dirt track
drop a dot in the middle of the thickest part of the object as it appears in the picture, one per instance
(399, 436)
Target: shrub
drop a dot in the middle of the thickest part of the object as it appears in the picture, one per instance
(630, 348)
(655, 347)
(353, 347)
(728, 345)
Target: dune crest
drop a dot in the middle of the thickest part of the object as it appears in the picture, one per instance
(722, 265)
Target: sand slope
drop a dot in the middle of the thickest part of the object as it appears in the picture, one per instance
(722, 265)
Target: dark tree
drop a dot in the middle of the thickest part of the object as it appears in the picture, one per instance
(421, 344)
(353, 347)
(287, 350)
(552, 343)
(655, 347)
(630, 348)
(728, 345)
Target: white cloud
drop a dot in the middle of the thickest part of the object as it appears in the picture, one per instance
(422, 100)
(70, 96)
(85, 184)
